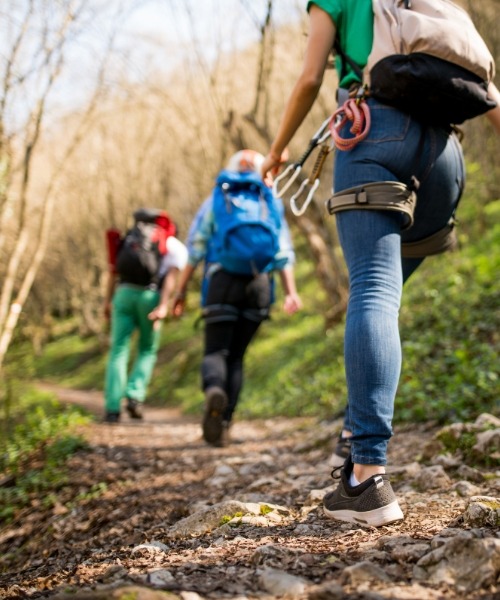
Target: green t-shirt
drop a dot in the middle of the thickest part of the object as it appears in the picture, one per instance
(353, 20)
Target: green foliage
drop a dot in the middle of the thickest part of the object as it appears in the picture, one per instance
(39, 436)
(450, 330)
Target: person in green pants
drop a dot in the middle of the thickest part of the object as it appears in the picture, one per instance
(135, 307)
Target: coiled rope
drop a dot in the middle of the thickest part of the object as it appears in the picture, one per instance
(357, 111)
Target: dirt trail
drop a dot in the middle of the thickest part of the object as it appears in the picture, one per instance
(111, 527)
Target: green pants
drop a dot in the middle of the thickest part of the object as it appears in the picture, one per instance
(131, 306)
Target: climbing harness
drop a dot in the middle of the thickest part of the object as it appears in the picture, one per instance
(383, 195)
(293, 170)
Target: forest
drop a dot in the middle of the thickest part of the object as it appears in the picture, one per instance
(99, 117)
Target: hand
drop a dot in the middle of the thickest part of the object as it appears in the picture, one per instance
(158, 313)
(272, 164)
(179, 305)
(292, 304)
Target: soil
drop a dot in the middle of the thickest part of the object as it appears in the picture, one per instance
(139, 478)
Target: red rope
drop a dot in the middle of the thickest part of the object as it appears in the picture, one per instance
(357, 111)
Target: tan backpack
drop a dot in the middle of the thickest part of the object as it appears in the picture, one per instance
(429, 60)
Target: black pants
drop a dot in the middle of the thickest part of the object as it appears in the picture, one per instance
(235, 307)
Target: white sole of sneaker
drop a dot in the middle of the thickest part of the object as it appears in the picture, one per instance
(374, 518)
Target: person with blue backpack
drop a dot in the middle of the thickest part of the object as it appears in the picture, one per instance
(241, 234)
(398, 177)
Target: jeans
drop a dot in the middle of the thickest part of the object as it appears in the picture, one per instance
(371, 243)
(131, 306)
(235, 308)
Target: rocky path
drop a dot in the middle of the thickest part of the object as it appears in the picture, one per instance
(152, 512)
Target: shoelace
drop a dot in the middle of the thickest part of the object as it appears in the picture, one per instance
(357, 111)
(334, 474)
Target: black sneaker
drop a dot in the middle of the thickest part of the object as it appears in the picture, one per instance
(134, 409)
(112, 417)
(341, 453)
(371, 503)
(215, 404)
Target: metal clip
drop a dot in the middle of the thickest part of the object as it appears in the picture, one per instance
(315, 174)
(318, 138)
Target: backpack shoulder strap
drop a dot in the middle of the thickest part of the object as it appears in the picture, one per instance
(346, 60)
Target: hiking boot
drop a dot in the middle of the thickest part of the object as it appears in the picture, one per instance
(134, 409)
(215, 404)
(371, 503)
(341, 453)
(224, 439)
(112, 417)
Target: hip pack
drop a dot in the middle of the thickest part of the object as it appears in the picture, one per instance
(428, 60)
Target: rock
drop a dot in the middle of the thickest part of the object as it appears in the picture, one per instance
(410, 553)
(466, 489)
(362, 572)
(470, 473)
(431, 478)
(487, 421)
(270, 554)
(281, 583)
(412, 592)
(121, 593)
(487, 444)
(160, 578)
(151, 547)
(468, 564)
(206, 520)
(482, 511)
(327, 591)
(229, 512)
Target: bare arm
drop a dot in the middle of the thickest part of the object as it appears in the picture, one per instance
(167, 290)
(307, 86)
(110, 290)
(180, 297)
(494, 114)
(292, 303)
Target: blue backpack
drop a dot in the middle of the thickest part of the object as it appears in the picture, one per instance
(247, 223)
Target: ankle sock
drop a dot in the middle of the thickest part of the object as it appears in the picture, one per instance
(353, 482)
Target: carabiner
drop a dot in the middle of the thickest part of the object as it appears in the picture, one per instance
(298, 169)
(315, 175)
(319, 137)
(293, 204)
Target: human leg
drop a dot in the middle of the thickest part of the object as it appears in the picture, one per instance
(147, 346)
(396, 149)
(371, 245)
(254, 307)
(246, 329)
(123, 324)
(342, 448)
(236, 305)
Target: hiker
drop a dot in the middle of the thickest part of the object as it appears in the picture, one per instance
(394, 148)
(143, 272)
(237, 290)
